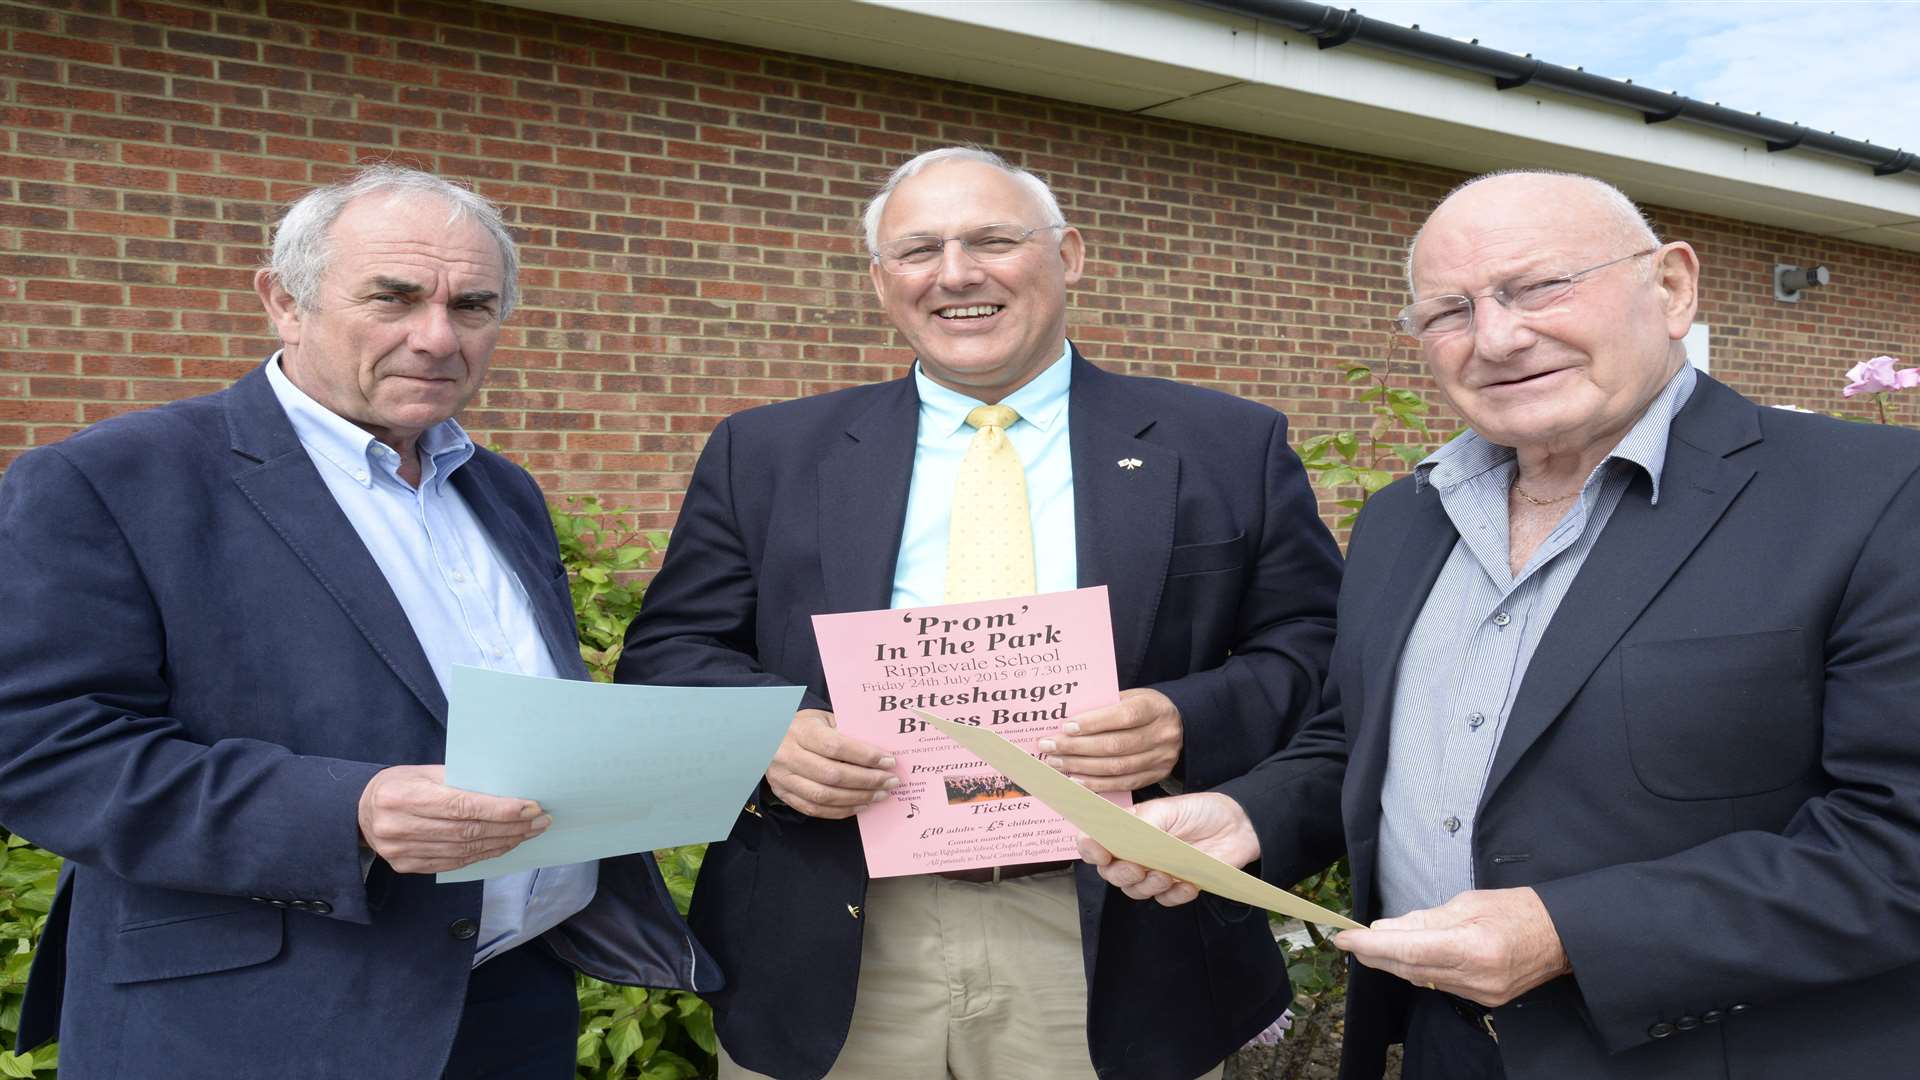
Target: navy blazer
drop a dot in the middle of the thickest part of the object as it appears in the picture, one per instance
(1221, 579)
(200, 668)
(1711, 772)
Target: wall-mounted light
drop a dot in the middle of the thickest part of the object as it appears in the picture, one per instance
(1790, 281)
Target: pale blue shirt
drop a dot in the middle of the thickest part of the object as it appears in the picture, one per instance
(1040, 435)
(465, 606)
(1474, 640)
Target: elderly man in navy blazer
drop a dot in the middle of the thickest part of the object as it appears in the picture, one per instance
(1623, 697)
(230, 623)
(1185, 503)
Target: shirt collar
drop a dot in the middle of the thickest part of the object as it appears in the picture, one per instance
(348, 447)
(1645, 444)
(1039, 403)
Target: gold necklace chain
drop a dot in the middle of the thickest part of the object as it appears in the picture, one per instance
(1520, 491)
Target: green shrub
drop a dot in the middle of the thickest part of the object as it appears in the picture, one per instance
(27, 879)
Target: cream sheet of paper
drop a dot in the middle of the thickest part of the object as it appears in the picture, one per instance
(1127, 836)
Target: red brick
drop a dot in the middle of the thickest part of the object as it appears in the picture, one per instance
(75, 291)
(68, 243)
(34, 168)
(68, 48)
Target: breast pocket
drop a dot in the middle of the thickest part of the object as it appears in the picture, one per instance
(1721, 717)
(1207, 558)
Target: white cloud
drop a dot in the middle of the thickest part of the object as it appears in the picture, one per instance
(1842, 67)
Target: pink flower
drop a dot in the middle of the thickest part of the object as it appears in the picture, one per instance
(1275, 1031)
(1877, 375)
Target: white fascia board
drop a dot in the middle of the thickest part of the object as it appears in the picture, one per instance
(1181, 61)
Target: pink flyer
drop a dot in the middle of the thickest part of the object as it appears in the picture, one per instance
(1020, 667)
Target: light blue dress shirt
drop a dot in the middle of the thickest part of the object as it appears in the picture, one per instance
(465, 606)
(1474, 640)
(1040, 435)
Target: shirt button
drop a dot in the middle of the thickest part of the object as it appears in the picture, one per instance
(1501, 618)
(1474, 720)
(459, 578)
(463, 929)
(1452, 824)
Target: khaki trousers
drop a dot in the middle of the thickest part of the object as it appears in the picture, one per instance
(967, 982)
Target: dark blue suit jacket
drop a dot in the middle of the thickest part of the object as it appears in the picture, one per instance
(1711, 772)
(200, 669)
(1221, 578)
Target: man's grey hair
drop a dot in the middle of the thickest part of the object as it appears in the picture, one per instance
(1634, 229)
(303, 243)
(1035, 186)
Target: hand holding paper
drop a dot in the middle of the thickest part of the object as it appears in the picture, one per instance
(1128, 837)
(824, 774)
(1214, 824)
(411, 818)
(1125, 746)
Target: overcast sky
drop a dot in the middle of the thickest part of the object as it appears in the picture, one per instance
(1852, 68)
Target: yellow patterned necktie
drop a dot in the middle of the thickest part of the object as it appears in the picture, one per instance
(990, 542)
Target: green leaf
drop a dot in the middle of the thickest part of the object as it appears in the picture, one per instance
(586, 1048)
(1337, 477)
(1359, 373)
(1371, 393)
(699, 1027)
(622, 1041)
(19, 1065)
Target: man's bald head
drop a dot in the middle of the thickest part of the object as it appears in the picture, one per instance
(1582, 200)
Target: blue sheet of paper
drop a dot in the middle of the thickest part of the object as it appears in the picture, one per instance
(621, 768)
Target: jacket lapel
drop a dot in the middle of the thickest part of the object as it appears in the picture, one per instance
(1123, 516)
(288, 492)
(1426, 538)
(863, 482)
(526, 559)
(1641, 548)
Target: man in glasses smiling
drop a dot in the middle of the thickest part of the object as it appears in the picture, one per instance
(1620, 711)
(1185, 503)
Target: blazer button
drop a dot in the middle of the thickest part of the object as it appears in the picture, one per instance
(297, 905)
(1711, 1016)
(464, 929)
(1660, 1030)
(1736, 1010)
(1687, 1023)
(319, 907)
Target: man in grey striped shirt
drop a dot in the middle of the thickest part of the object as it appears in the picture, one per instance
(1620, 718)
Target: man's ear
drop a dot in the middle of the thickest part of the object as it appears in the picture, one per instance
(879, 280)
(1073, 253)
(1677, 272)
(279, 304)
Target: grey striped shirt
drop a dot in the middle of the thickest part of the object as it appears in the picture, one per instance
(1470, 647)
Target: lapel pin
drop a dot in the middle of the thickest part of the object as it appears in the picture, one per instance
(1129, 463)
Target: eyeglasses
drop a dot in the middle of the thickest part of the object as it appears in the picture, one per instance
(1440, 317)
(988, 243)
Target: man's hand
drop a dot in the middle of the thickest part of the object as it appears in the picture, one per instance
(1122, 747)
(824, 774)
(1488, 945)
(412, 819)
(1213, 823)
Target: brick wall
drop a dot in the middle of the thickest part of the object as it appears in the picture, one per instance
(688, 213)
